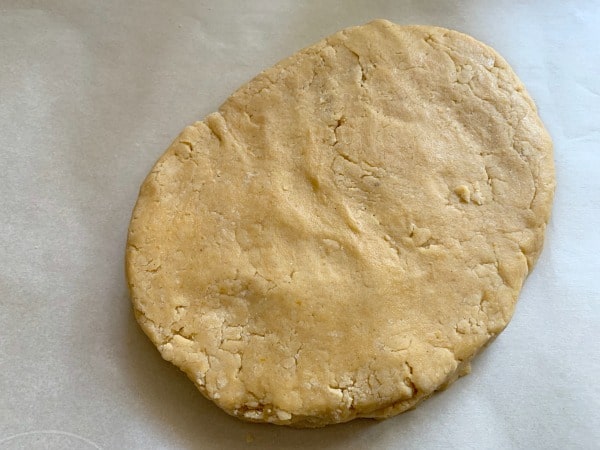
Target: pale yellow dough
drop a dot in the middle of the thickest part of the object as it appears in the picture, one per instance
(351, 227)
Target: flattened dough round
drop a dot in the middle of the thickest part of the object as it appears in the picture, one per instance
(350, 228)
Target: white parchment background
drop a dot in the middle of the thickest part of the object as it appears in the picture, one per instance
(92, 92)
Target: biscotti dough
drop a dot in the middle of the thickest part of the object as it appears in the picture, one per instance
(348, 231)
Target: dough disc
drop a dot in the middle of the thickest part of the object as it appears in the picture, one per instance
(348, 231)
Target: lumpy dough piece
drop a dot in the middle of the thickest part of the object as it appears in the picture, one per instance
(348, 230)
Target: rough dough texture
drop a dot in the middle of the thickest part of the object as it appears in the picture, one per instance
(351, 227)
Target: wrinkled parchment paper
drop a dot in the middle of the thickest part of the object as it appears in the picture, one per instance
(92, 92)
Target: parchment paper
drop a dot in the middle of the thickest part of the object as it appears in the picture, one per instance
(92, 92)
